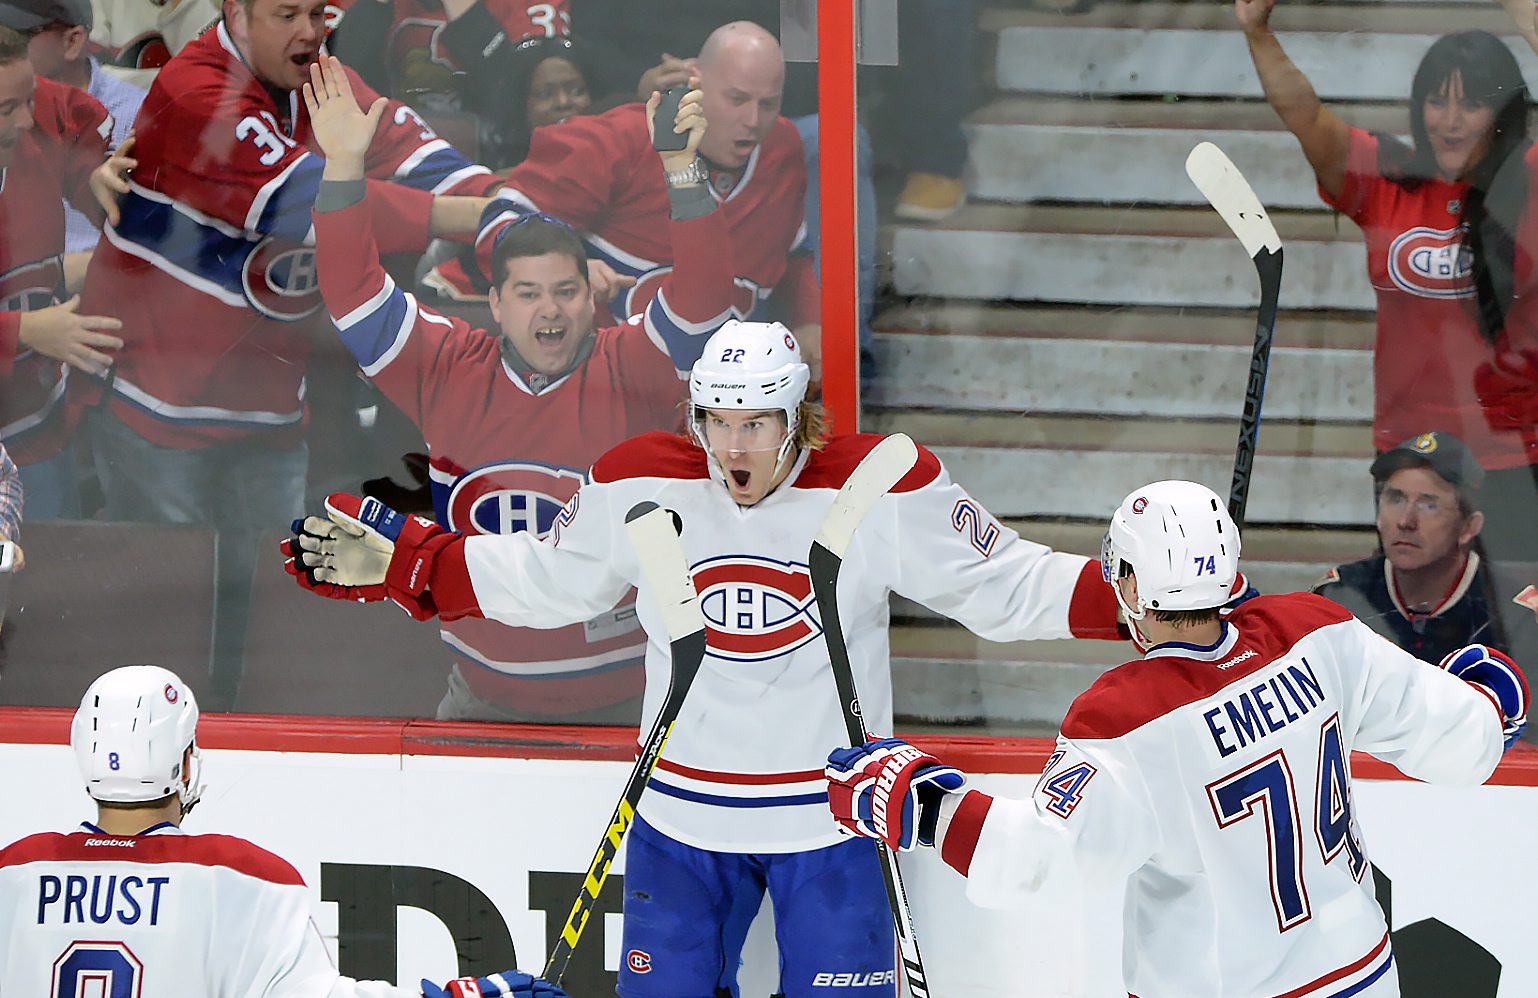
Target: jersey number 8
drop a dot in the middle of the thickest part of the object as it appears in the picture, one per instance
(91, 969)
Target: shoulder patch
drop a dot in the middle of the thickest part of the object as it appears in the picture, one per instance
(831, 467)
(652, 455)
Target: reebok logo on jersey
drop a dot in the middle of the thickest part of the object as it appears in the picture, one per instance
(1251, 653)
(110, 842)
(854, 979)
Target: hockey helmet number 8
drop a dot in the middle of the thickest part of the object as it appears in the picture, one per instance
(1181, 543)
(750, 367)
(130, 735)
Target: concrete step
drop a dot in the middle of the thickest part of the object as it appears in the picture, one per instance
(1116, 256)
(1134, 151)
(1347, 52)
(1063, 371)
(1019, 466)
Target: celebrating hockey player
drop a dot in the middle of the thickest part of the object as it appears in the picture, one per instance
(1212, 774)
(737, 803)
(527, 412)
(187, 916)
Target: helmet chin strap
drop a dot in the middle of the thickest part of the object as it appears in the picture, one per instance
(191, 790)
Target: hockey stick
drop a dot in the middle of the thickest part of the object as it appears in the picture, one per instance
(875, 476)
(654, 532)
(1225, 188)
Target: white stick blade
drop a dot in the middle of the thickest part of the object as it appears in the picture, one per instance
(661, 555)
(877, 473)
(1221, 183)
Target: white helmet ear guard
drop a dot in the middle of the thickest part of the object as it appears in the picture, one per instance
(753, 367)
(1180, 543)
(135, 726)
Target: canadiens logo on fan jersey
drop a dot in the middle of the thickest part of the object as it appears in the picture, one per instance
(280, 280)
(1431, 263)
(510, 498)
(756, 608)
(746, 295)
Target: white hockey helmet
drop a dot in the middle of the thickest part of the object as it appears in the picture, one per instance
(1181, 543)
(752, 366)
(134, 726)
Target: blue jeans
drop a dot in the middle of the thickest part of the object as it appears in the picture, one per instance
(241, 490)
(865, 206)
(51, 488)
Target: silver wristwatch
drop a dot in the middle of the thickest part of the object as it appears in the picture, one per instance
(694, 173)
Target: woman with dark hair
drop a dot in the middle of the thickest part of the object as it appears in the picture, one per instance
(1450, 254)
(543, 82)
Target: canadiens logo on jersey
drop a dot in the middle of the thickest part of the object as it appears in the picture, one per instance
(746, 295)
(31, 285)
(1431, 263)
(756, 608)
(280, 281)
(510, 498)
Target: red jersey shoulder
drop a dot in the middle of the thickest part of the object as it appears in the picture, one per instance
(62, 112)
(652, 455)
(226, 851)
(1132, 695)
(783, 145)
(830, 467)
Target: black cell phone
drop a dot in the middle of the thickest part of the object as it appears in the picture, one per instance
(664, 139)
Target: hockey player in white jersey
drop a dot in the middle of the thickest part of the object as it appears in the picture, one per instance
(1212, 775)
(737, 804)
(187, 916)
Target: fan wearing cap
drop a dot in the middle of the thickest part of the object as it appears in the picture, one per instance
(187, 916)
(736, 807)
(58, 45)
(1210, 778)
(1427, 589)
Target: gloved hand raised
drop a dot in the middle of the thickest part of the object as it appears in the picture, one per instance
(363, 550)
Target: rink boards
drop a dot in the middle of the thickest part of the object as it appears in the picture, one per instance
(423, 839)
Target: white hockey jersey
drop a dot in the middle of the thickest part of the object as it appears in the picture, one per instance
(742, 771)
(161, 914)
(1217, 781)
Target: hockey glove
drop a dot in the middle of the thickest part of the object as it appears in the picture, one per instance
(508, 984)
(886, 789)
(1498, 677)
(363, 544)
(303, 560)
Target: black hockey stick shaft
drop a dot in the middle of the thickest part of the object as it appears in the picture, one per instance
(667, 575)
(877, 473)
(1268, 265)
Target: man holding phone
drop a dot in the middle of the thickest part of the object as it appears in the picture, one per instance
(595, 173)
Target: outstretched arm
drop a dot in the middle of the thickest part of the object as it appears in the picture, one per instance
(1324, 136)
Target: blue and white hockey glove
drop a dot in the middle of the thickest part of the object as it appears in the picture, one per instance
(888, 790)
(508, 984)
(1496, 675)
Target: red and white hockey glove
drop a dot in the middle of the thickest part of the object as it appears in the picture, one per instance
(364, 550)
(508, 984)
(1494, 674)
(886, 789)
